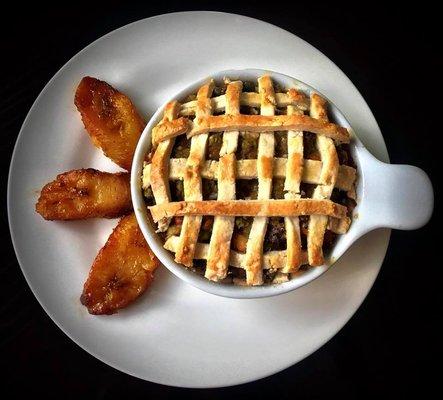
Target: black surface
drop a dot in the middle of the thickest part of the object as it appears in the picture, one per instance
(394, 59)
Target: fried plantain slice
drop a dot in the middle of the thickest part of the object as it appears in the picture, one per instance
(122, 270)
(85, 193)
(110, 119)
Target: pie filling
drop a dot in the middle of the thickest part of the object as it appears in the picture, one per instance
(273, 244)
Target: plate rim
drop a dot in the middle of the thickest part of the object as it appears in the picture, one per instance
(19, 139)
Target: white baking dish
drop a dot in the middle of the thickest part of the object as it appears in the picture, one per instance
(390, 196)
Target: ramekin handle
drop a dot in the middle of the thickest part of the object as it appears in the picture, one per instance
(395, 196)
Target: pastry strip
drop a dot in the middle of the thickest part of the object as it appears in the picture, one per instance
(251, 123)
(328, 177)
(160, 166)
(170, 129)
(267, 123)
(327, 174)
(247, 169)
(192, 181)
(294, 173)
(266, 143)
(220, 243)
(249, 208)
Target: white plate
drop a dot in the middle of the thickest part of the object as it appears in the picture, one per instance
(176, 334)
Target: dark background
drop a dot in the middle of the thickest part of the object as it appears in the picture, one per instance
(391, 344)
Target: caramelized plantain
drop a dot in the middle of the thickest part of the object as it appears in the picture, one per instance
(122, 270)
(110, 118)
(85, 193)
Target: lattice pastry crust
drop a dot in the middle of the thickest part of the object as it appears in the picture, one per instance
(277, 112)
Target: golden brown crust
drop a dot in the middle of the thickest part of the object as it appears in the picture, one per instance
(267, 95)
(295, 166)
(171, 111)
(233, 121)
(110, 118)
(122, 270)
(233, 92)
(318, 107)
(252, 123)
(267, 123)
(170, 129)
(249, 208)
(266, 167)
(189, 235)
(297, 99)
(85, 193)
(226, 172)
(327, 174)
(218, 254)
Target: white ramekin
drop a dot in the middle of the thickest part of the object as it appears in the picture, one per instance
(392, 196)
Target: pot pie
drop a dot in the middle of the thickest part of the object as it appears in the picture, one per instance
(249, 183)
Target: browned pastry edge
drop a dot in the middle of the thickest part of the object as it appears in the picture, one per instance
(249, 208)
(169, 129)
(252, 123)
